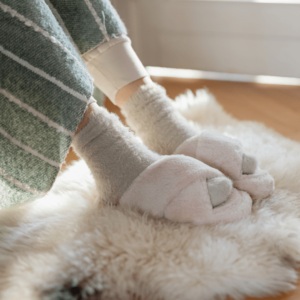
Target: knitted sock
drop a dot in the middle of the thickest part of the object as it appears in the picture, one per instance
(150, 113)
(116, 157)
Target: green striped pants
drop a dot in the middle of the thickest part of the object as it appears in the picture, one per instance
(44, 86)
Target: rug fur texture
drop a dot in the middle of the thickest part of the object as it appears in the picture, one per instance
(68, 246)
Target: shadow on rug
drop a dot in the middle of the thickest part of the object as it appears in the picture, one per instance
(67, 246)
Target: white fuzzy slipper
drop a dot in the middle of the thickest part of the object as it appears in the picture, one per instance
(227, 155)
(259, 185)
(176, 187)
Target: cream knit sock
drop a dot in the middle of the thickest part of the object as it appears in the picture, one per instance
(116, 158)
(114, 155)
(150, 113)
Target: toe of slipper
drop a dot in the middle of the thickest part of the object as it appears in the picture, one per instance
(176, 188)
(189, 207)
(259, 185)
(164, 180)
(218, 151)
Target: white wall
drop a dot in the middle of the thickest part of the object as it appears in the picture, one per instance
(224, 36)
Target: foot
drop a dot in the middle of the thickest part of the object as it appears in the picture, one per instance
(175, 187)
(152, 115)
(221, 152)
(183, 189)
(227, 155)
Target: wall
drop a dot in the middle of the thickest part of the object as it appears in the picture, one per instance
(224, 36)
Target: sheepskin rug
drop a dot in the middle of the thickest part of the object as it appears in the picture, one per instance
(67, 246)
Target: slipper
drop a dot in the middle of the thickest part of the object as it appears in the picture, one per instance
(176, 187)
(227, 155)
(259, 185)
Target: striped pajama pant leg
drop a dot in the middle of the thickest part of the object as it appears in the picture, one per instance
(44, 86)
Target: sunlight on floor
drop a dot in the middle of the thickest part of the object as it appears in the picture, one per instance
(194, 74)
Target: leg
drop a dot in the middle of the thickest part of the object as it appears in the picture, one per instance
(176, 187)
(120, 75)
(109, 139)
(100, 36)
(121, 165)
(44, 90)
(151, 114)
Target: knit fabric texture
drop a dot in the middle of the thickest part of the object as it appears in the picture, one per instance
(44, 88)
(89, 22)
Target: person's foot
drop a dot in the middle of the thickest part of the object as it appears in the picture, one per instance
(177, 187)
(151, 114)
(221, 152)
(183, 189)
(227, 155)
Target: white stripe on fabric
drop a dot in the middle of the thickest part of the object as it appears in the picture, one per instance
(36, 28)
(34, 112)
(61, 23)
(21, 185)
(97, 19)
(28, 149)
(43, 74)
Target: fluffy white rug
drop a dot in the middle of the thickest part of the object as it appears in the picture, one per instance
(67, 246)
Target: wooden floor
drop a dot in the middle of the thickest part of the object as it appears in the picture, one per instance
(276, 106)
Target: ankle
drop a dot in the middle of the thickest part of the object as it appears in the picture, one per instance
(126, 92)
(86, 117)
(114, 155)
(151, 114)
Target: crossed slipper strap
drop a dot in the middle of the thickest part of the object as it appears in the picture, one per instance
(227, 155)
(175, 187)
(259, 185)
